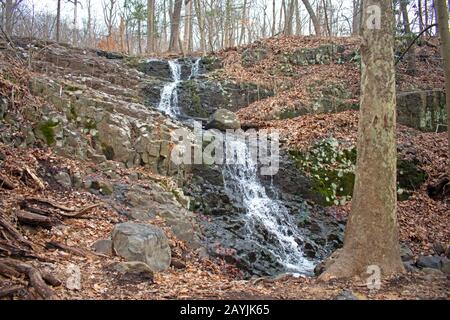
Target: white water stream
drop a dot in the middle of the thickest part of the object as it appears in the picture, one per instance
(266, 218)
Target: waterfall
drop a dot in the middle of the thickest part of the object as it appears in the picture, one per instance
(266, 219)
(169, 95)
(195, 69)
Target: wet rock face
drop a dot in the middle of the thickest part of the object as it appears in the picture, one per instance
(142, 242)
(227, 235)
(202, 97)
(199, 95)
(159, 69)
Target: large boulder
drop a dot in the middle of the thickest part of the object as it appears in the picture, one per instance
(142, 242)
(223, 120)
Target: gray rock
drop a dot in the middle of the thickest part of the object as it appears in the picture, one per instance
(142, 242)
(223, 119)
(438, 248)
(445, 268)
(103, 246)
(406, 253)
(432, 272)
(346, 295)
(134, 270)
(63, 178)
(432, 262)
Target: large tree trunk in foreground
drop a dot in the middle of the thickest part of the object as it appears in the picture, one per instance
(442, 10)
(371, 235)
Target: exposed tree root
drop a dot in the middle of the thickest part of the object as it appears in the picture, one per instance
(36, 279)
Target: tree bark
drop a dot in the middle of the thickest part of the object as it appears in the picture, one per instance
(356, 22)
(201, 25)
(150, 26)
(187, 39)
(75, 17)
(442, 17)
(313, 17)
(274, 17)
(175, 27)
(371, 234)
(58, 22)
(411, 69)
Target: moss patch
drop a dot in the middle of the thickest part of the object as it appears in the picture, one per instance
(331, 168)
(47, 129)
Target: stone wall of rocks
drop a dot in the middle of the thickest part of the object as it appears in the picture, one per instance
(423, 110)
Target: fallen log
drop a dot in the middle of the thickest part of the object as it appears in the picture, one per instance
(35, 178)
(61, 246)
(50, 203)
(75, 213)
(32, 219)
(34, 276)
(81, 212)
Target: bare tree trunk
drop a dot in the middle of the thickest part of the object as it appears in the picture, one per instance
(187, 26)
(371, 234)
(89, 23)
(289, 18)
(9, 12)
(243, 23)
(356, 22)
(325, 10)
(313, 17)
(75, 17)
(139, 32)
(58, 22)
(201, 25)
(150, 26)
(420, 15)
(298, 19)
(412, 69)
(274, 17)
(175, 27)
(442, 17)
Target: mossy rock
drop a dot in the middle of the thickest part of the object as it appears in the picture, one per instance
(47, 130)
(332, 171)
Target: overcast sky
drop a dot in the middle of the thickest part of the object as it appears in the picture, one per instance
(51, 5)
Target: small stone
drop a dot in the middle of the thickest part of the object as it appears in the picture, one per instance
(432, 262)
(178, 264)
(134, 270)
(346, 295)
(438, 248)
(406, 253)
(445, 268)
(432, 272)
(103, 246)
(73, 281)
(63, 178)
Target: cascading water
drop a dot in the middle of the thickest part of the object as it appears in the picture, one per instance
(169, 95)
(266, 218)
(195, 69)
(264, 215)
